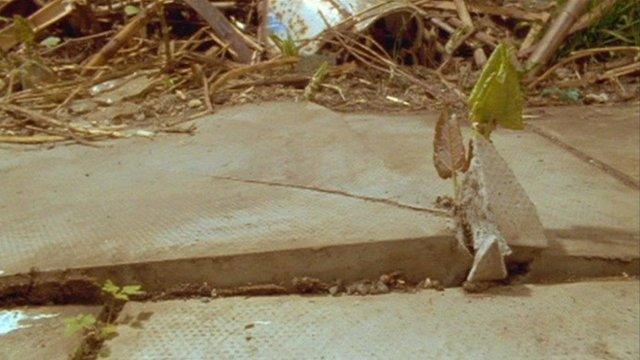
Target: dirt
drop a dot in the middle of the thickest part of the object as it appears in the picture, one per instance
(27, 291)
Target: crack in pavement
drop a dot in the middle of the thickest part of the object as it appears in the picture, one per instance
(436, 212)
(608, 169)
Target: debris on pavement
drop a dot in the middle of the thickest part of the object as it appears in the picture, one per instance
(379, 55)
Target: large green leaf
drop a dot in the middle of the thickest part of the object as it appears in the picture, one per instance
(497, 96)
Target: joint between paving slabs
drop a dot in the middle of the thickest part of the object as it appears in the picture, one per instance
(616, 174)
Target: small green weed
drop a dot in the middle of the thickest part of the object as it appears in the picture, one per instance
(287, 47)
(619, 26)
(121, 293)
(96, 331)
(496, 99)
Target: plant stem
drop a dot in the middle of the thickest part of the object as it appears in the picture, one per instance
(456, 187)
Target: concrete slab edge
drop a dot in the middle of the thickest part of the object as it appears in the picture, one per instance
(439, 258)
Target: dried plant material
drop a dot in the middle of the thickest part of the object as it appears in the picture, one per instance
(448, 148)
(397, 100)
(463, 13)
(497, 97)
(46, 16)
(509, 12)
(557, 32)
(592, 15)
(231, 74)
(223, 28)
(36, 139)
(580, 54)
(120, 38)
(316, 81)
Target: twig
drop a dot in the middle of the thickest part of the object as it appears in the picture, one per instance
(463, 13)
(120, 38)
(35, 139)
(620, 71)
(580, 54)
(231, 74)
(527, 43)
(592, 16)
(165, 36)
(510, 12)
(46, 120)
(207, 93)
(221, 26)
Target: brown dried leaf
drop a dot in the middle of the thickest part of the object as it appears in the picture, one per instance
(448, 149)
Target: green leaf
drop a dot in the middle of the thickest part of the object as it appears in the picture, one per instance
(497, 96)
(132, 290)
(110, 287)
(108, 331)
(51, 41)
(23, 29)
(121, 296)
(79, 323)
(131, 10)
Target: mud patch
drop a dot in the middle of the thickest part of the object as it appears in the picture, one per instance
(30, 292)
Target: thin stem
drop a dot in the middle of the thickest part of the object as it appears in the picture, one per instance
(456, 187)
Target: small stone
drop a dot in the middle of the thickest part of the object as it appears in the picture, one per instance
(380, 288)
(80, 107)
(432, 284)
(596, 98)
(194, 103)
(363, 289)
(385, 279)
(214, 293)
(181, 95)
(334, 290)
(145, 133)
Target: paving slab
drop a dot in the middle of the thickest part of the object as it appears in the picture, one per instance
(617, 129)
(39, 332)
(258, 182)
(598, 320)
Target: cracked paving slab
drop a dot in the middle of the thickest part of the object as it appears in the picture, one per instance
(281, 176)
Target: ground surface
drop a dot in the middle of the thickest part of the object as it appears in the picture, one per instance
(278, 177)
(265, 192)
(573, 321)
(39, 332)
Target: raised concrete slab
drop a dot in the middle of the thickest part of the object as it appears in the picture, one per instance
(570, 321)
(267, 179)
(617, 129)
(39, 332)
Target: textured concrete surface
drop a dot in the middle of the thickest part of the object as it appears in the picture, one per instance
(597, 320)
(274, 177)
(39, 332)
(615, 128)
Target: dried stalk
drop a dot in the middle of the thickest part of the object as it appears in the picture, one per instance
(557, 32)
(35, 139)
(577, 55)
(120, 38)
(231, 74)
